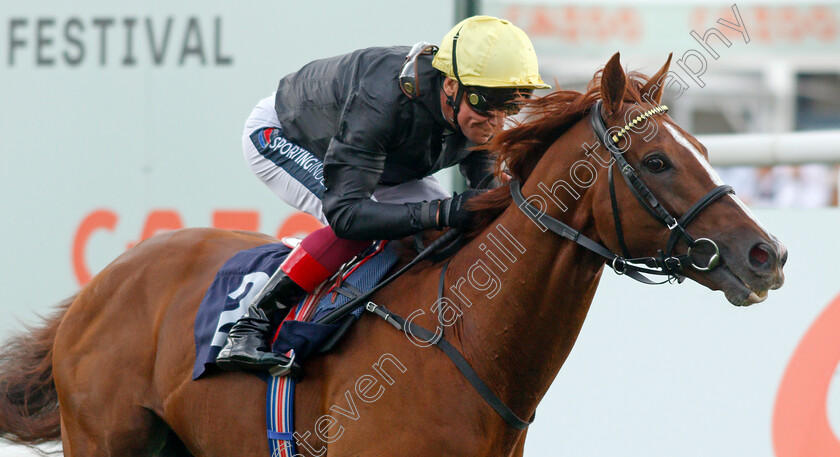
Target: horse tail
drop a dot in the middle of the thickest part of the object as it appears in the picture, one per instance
(29, 412)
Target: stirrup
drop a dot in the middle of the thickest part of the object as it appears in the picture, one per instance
(290, 368)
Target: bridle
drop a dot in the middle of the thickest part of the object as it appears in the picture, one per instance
(666, 263)
(669, 265)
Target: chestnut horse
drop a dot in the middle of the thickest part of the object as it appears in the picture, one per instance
(110, 374)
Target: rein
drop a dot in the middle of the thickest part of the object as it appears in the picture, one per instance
(666, 264)
(443, 243)
(460, 362)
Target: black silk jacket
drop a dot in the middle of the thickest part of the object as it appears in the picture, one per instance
(350, 112)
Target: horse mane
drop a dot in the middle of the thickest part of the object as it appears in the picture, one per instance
(519, 148)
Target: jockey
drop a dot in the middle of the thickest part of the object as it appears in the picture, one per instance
(353, 140)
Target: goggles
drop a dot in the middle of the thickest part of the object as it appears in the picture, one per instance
(485, 101)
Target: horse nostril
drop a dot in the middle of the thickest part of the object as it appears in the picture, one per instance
(783, 259)
(760, 256)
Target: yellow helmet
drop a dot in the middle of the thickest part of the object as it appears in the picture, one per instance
(491, 52)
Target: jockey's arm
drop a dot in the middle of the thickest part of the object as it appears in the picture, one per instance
(350, 177)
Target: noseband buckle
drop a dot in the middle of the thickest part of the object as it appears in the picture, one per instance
(672, 264)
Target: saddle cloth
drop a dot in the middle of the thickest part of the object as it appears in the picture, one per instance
(243, 275)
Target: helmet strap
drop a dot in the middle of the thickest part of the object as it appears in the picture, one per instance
(455, 103)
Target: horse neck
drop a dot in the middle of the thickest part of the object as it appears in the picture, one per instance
(529, 291)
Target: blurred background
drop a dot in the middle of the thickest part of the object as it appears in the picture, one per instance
(119, 120)
(777, 73)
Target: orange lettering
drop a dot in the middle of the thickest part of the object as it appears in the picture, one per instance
(824, 23)
(542, 25)
(97, 220)
(236, 220)
(800, 419)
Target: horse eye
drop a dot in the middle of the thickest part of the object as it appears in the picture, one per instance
(656, 164)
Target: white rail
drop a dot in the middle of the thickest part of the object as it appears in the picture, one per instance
(822, 146)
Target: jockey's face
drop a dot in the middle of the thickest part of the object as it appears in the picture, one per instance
(478, 128)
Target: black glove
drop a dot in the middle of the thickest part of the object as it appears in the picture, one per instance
(452, 211)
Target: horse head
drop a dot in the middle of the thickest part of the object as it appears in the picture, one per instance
(721, 244)
(624, 175)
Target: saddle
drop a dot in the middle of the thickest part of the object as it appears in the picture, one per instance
(302, 333)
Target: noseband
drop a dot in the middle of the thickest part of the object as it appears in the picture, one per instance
(665, 263)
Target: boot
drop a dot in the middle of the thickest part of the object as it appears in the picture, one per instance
(247, 346)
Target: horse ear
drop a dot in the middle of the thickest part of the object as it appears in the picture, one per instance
(652, 91)
(613, 82)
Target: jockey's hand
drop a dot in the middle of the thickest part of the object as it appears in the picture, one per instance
(452, 211)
